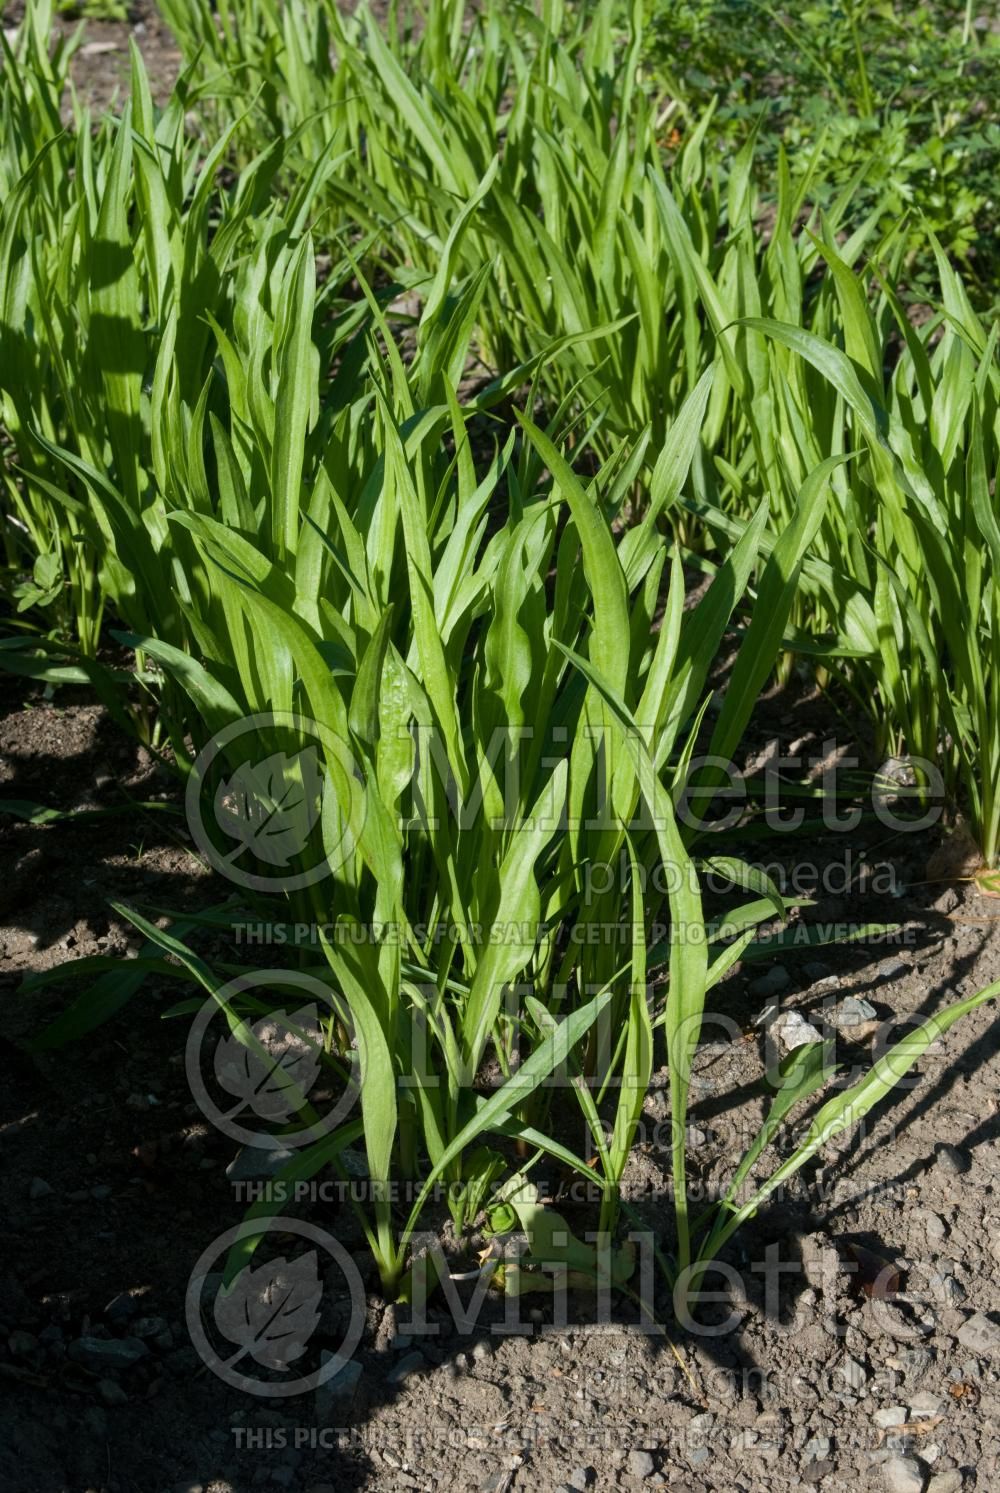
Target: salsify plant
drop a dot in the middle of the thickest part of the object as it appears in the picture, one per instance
(533, 145)
(898, 594)
(479, 689)
(438, 674)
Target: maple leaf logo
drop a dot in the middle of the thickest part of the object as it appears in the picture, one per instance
(271, 807)
(271, 1312)
(270, 1072)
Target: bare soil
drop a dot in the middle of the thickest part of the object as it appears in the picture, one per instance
(808, 1385)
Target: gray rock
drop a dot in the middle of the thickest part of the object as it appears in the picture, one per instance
(258, 1163)
(39, 1188)
(407, 1368)
(947, 1288)
(699, 1456)
(853, 1374)
(945, 1482)
(793, 1030)
(336, 1394)
(892, 968)
(582, 1478)
(641, 1464)
(926, 1404)
(149, 1327)
(903, 1475)
(951, 1160)
(854, 1011)
(916, 1362)
(892, 1415)
(980, 1335)
(774, 982)
(816, 1471)
(937, 1229)
(107, 1353)
(111, 1393)
(817, 1448)
(121, 1307)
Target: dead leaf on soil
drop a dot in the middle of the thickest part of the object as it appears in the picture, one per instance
(876, 1276)
(967, 1393)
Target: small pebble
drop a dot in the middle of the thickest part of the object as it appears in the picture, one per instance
(146, 1327)
(903, 1475)
(952, 1161)
(641, 1464)
(980, 1335)
(121, 1307)
(337, 1393)
(773, 983)
(107, 1353)
(936, 1228)
(854, 1375)
(854, 1011)
(947, 1288)
(22, 1344)
(892, 968)
(407, 1368)
(945, 1482)
(39, 1188)
(793, 1030)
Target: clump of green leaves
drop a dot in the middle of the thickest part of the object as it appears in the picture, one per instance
(903, 99)
(297, 526)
